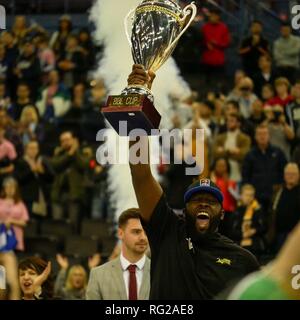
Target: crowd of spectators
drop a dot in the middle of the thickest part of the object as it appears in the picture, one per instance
(50, 114)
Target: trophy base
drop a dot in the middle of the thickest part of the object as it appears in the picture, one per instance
(136, 110)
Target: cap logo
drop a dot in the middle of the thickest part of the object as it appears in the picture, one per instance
(204, 182)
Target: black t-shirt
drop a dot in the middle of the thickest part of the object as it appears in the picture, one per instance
(288, 210)
(250, 59)
(179, 271)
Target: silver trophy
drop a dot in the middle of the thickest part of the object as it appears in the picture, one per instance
(156, 26)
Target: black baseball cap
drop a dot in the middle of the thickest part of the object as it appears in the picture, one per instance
(201, 186)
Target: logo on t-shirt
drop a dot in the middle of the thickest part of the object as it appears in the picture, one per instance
(224, 261)
(204, 182)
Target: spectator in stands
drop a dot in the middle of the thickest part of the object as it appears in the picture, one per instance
(8, 155)
(216, 39)
(68, 191)
(283, 96)
(45, 54)
(249, 223)
(264, 75)
(252, 48)
(220, 176)
(286, 53)
(34, 175)
(257, 114)
(9, 41)
(281, 134)
(5, 100)
(22, 100)
(5, 66)
(35, 279)
(235, 92)
(292, 111)
(59, 38)
(19, 28)
(233, 145)
(13, 214)
(245, 96)
(71, 63)
(87, 47)
(263, 167)
(27, 68)
(286, 205)
(29, 126)
(267, 93)
(73, 118)
(54, 100)
(11, 130)
(93, 120)
(128, 276)
(233, 107)
(71, 284)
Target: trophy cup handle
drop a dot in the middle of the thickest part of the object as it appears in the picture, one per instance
(191, 8)
(126, 19)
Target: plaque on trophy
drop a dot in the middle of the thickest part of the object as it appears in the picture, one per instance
(156, 28)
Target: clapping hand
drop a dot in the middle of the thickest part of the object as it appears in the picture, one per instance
(94, 261)
(62, 261)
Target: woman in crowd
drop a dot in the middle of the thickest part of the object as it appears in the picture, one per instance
(14, 215)
(220, 176)
(59, 38)
(34, 175)
(71, 283)
(35, 279)
(29, 126)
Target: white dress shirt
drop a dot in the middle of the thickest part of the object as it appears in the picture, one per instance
(138, 273)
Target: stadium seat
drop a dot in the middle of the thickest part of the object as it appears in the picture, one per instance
(95, 228)
(56, 228)
(79, 246)
(32, 228)
(40, 245)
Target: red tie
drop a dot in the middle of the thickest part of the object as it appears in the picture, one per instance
(132, 282)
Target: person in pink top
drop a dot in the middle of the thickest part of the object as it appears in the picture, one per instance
(7, 155)
(13, 213)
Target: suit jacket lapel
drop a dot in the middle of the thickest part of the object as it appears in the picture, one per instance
(145, 285)
(118, 279)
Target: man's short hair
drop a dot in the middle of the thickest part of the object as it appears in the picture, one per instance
(132, 213)
(234, 103)
(262, 126)
(237, 116)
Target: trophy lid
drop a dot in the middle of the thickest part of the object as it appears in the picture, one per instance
(170, 4)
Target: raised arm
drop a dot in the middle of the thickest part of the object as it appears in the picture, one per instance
(147, 189)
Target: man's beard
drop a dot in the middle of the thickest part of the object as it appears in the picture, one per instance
(201, 235)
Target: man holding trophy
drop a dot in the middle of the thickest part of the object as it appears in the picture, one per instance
(189, 258)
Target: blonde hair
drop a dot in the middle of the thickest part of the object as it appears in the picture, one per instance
(74, 268)
(249, 187)
(27, 109)
(282, 80)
